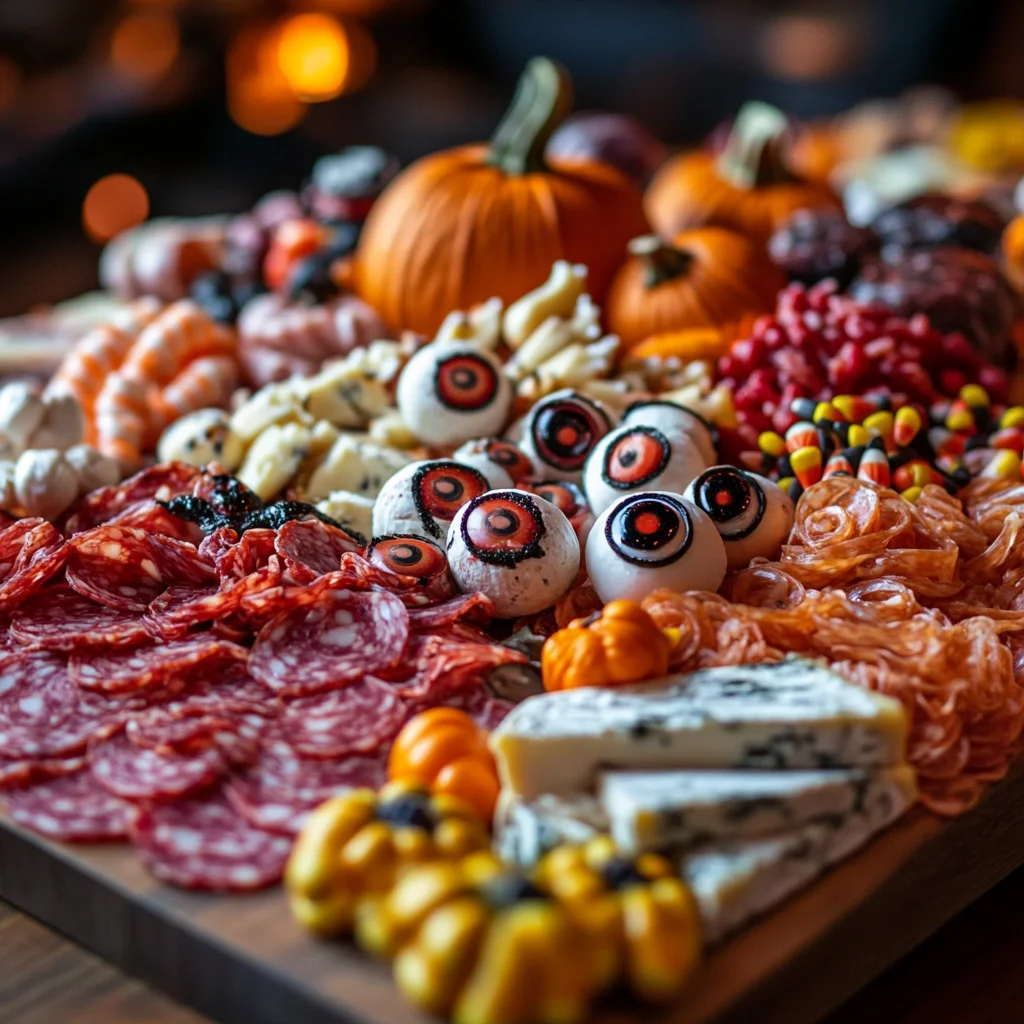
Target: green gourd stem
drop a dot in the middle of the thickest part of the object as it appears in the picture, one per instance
(752, 155)
(662, 262)
(542, 101)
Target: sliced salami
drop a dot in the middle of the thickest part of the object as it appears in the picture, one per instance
(127, 569)
(361, 718)
(171, 666)
(155, 519)
(72, 808)
(12, 542)
(60, 619)
(487, 711)
(16, 773)
(42, 556)
(183, 729)
(205, 843)
(334, 642)
(447, 667)
(311, 548)
(280, 790)
(245, 556)
(477, 606)
(140, 773)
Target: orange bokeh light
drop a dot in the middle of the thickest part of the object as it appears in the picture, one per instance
(10, 83)
(114, 204)
(259, 97)
(313, 54)
(144, 46)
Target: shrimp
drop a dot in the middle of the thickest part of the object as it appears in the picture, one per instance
(121, 419)
(205, 382)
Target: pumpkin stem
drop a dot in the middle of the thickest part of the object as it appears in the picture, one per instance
(752, 156)
(542, 101)
(662, 262)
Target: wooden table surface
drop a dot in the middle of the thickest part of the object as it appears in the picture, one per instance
(968, 971)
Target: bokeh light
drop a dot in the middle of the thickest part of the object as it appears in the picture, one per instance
(112, 205)
(144, 46)
(260, 99)
(810, 47)
(10, 83)
(313, 52)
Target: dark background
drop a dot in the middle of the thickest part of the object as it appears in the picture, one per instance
(443, 72)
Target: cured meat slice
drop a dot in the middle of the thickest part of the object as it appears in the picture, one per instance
(183, 729)
(311, 548)
(72, 808)
(42, 713)
(247, 555)
(170, 666)
(487, 711)
(217, 544)
(60, 619)
(155, 519)
(42, 555)
(127, 569)
(447, 667)
(19, 772)
(358, 719)
(12, 541)
(282, 788)
(331, 643)
(477, 606)
(141, 773)
(205, 843)
(232, 689)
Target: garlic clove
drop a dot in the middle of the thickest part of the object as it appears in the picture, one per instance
(45, 484)
(21, 413)
(93, 468)
(63, 424)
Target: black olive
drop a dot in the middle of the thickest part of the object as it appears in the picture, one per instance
(196, 510)
(231, 498)
(410, 811)
(508, 890)
(275, 515)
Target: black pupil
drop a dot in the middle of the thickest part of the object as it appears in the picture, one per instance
(627, 456)
(565, 432)
(723, 495)
(503, 456)
(463, 378)
(406, 555)
(648, 526)
(447, 488)
(504, 522)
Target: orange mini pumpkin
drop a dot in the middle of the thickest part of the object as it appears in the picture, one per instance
(707, 277)
(1013, 252)
(748, 187)
(469, 223)
(618, 645)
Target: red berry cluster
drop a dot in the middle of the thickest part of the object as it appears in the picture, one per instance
(819, 344)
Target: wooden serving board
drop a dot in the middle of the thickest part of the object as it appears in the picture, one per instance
(242, 958)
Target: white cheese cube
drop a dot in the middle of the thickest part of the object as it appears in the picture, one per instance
(524, 832)
(354, 512)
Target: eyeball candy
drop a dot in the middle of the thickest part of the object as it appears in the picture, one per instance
(640, 458)
(653, 539)
(500, 461)
(409, 555)
(516, 548)
(569, 499)
(560, 431)
(450, 392)
(422, 498)
(669, 417)
(752, 514)
(202, 437)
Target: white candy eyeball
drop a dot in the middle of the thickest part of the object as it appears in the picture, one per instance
(500, 461)
(670, 416)
(516, 548)
(569, 499)
(408, 555)
(653, 539)
(752, 514)
(451, 392)
(202, 437)
(560, 431)
(640, 458)
(423, 497)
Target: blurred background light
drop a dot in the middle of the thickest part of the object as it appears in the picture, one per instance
(113, 204)
(144, 46)
(313, 53)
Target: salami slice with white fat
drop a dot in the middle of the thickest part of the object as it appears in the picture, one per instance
(19, 772)
(41, 557)
(171, 666)
(60, 619)
(72, 808)
(127, 569)
(205, 843)
(311, 548)
(331, 643)
(182, 729)
(446, 667)
(360, 718)
(141, 773)
(244, 556)
(478, 607)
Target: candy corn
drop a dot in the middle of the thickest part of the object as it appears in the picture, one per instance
(806, 463)
(906, 425)
(874, 467)
(801, 435)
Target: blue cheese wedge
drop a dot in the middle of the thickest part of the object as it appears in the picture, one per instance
(659, 810)
(794, 714)
(736, 881)
(524, 832)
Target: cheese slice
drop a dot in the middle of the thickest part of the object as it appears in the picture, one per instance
(524, 832)
(653, 810)
(794, 714)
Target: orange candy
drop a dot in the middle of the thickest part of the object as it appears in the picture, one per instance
(293, 241)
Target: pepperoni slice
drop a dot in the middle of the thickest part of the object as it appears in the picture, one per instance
(71, 809)
(41, 555)
(358, 719)
(447, 666)
(140, 773)
(187, 730)
(204, 843)
(236, 559)
(127, 569)
(311, 548)
(59, 619)
(478, 606)
(16, 773)
(333, 642)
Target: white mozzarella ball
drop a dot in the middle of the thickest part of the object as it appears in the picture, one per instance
(21, 414)
(653, 539)
(516, 548)
(503, 463)
(640, 458)
(560, 431)
(93, 468)
(670, 416)
(44, 483)
(450, 392)
(202, 437)
(752, 514)
(423, 497)
(63, 424)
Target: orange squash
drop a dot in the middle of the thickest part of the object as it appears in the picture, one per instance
(748, 187)
(466, 224)
(1013, 252)
(707, 277)
(618, 645)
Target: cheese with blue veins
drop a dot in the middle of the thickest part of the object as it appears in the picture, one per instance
(792, 715)
(659, 810)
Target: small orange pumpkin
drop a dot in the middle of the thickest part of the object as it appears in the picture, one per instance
(618, 645)
(1013, 252)
(443, 748)
(707, 277)
(466, 224)
(747, 187)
